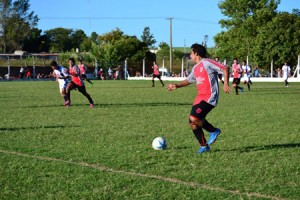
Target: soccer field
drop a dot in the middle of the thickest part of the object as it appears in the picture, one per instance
(48, 151)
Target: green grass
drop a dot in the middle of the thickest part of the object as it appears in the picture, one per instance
(50, 152)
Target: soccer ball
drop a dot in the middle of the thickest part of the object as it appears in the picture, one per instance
(159, 143)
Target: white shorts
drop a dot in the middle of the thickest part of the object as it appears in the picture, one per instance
(62, 84)
(246, 77)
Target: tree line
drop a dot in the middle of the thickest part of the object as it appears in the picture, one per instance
(253, 28)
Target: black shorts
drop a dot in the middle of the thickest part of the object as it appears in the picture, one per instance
(83, 76)
(156, 76)
(236, 81)
(79, 88)
(201, 110)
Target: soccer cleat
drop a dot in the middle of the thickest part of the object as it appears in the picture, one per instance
(213, 136)
(203, 149)
(242, 89)
(91, 105)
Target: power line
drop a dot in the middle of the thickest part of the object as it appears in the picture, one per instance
(127, 18)
(103, 18)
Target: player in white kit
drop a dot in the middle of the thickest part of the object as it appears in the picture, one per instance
(246, 74)
(286, 70)
(61, 75)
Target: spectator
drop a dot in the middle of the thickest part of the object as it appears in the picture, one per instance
(22, 72)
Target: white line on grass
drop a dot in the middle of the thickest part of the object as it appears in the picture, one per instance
(162, 178)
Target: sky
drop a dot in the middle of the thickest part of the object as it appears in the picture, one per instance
(191, 20)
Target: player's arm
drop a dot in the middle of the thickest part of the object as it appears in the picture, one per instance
(173, 86)
(226, 87)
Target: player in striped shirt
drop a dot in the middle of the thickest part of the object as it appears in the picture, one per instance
(246, 74)
(205, 75)
(76, 82)
(61, 75)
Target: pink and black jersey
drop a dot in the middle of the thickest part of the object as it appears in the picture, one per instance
(205, 75)
(237, 69)
(155, 70)
(82, 68)
(76, 79)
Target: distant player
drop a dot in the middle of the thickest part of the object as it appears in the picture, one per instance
(83, 68)
(76, 82)
(237, 71)
(220, 73)
(156, 74)
(246, 74)
(61, 75)
(286, 70)
(205, 75)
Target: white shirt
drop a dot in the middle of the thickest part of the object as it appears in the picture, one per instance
(286, 71)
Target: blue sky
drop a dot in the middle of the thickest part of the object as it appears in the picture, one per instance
(192, 19)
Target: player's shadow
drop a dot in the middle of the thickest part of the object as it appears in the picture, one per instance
(30, 128)
(108, 105)
(264, 147)
(149, 104)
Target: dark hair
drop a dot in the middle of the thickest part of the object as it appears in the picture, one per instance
(54, 63)
(72, 59)
(244, 61)
(199, 49)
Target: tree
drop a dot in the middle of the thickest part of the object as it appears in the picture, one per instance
(62, 39)
(15, 23)
(114, 47)
(35, 42)
(147, 37)
(244, 20)
(279, 40)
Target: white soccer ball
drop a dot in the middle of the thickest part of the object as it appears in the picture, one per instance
(159, 143)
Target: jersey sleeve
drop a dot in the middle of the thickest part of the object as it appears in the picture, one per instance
(191, 78)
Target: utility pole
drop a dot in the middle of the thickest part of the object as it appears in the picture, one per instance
(171, 56)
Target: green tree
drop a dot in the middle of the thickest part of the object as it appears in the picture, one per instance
(243, 22)
(76, 38)
(114, 47)
(279, 40)
(35, 42)
(59, 39)
(15, 23)
(62, 39)
(148, 38)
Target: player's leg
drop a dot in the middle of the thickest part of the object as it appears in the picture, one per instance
(161, 81)
(197, 122)
(83, 91)
(70, 87)
(153, 76)
(86, 79)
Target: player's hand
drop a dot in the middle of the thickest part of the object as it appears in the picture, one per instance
(171, 87)
(226, 88)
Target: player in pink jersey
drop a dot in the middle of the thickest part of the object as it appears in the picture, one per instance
(76, 82)
(237, 73)
(83, 68)
(205, 75)
(156, 74)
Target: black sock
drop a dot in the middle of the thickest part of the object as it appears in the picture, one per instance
(200, 136)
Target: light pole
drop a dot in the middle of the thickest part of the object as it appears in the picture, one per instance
(171, 56)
